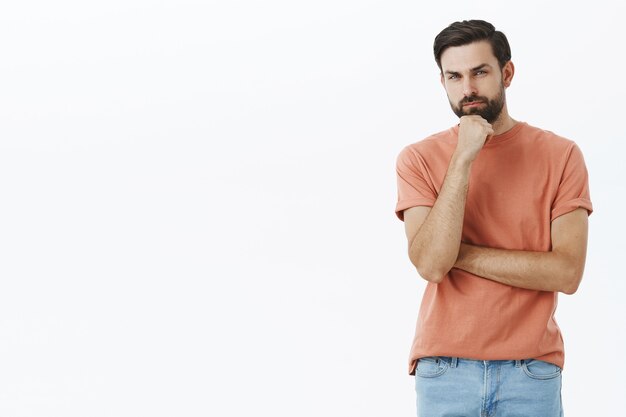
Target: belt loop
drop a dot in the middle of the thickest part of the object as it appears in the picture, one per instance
(454, 362)
(518, 363)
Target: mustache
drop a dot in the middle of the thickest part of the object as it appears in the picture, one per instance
(472, 99)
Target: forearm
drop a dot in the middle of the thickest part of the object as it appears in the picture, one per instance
(546, 271)
(435, 247)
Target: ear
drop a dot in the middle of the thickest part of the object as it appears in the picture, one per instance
(507, 73)
(442, 80)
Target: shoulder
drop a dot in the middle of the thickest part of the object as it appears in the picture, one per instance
(547, 138)
(552, 149)
(437, 143)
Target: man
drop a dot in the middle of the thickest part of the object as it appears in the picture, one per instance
(495, 213)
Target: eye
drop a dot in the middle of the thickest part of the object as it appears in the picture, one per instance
(480, 72)
(453, 77)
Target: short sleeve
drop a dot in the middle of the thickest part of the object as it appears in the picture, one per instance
(573, 190)
(413, 187)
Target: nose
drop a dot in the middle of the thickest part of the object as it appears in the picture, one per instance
(468, 87)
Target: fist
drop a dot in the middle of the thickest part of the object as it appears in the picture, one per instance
(473, 132)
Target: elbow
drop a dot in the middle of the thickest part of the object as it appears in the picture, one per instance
(431, 276)
(430, 272)
(570, 288)
(572, 281)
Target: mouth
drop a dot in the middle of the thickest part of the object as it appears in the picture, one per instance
(473, 104)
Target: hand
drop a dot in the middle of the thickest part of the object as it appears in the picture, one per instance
(473, 132)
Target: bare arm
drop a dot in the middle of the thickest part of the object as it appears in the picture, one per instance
(561, 269)
(434, 235)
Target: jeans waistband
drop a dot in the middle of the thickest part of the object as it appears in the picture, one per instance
(454, 361)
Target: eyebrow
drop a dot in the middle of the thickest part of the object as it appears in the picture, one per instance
(481, 66)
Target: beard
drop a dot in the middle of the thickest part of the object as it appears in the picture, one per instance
(490, 111)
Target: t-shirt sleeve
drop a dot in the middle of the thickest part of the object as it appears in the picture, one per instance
(573, 191)
(413, 187)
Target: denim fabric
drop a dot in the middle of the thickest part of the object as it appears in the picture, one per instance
(457, 387)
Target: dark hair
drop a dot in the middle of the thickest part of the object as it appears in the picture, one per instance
(469, 31)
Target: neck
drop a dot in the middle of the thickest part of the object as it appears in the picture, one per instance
(504, 123)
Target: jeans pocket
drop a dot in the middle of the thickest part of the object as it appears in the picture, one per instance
(431, 367)
(538, 369)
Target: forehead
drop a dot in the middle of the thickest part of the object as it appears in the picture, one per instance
(463, 58)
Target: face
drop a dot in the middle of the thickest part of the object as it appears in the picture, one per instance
(473, 80)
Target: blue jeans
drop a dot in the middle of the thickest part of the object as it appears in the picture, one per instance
(457, 387)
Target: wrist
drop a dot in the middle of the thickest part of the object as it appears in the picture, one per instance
(462, 256)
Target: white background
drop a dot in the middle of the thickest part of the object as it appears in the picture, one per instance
(197, 200)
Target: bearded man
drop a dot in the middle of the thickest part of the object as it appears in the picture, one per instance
(495, 213)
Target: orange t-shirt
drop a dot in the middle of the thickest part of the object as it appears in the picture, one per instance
(520, 181)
